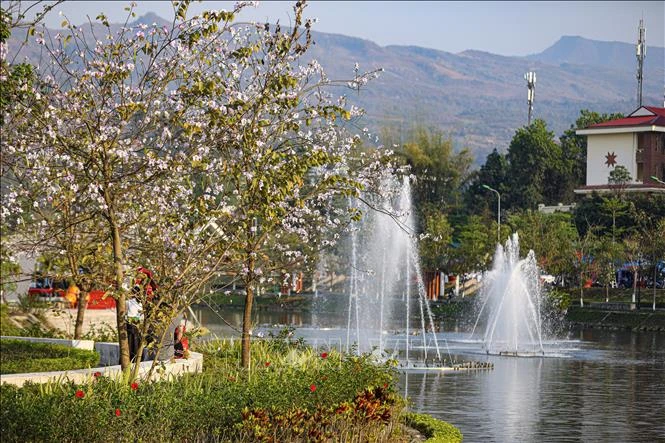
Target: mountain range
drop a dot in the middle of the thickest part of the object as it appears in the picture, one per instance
(479, 98)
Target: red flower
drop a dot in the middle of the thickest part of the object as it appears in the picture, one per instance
(117, 412)
(97, 374)
(324, 355)
(134, 386)
(385, 385)
(312, 388)
(267, 364)
(79, 394)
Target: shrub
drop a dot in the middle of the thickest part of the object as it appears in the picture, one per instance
(327, 392)
(436, 431)
(18, 356)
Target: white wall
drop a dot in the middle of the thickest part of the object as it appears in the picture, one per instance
(623, 145)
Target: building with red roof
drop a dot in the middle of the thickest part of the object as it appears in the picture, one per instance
(636, 142)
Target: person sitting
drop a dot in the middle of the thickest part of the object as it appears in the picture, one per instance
(134, 317)
(180, 342)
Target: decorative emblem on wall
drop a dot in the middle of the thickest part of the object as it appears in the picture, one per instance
(611, 159)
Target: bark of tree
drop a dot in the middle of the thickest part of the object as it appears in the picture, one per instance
(581, 289)
(80, 313)
(120, 308)
(655, 269)
(247, 315)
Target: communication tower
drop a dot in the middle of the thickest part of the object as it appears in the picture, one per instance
(641, 50)
(530, 78)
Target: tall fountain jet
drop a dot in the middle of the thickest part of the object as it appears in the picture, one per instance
(386, 290)
(511, 297)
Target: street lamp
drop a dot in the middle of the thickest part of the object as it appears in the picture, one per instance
(657, 180)
(498, 214)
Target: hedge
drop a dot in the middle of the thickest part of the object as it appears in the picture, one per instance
(18, 356)
(436, 431)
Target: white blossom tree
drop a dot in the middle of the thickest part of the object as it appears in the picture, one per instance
(98, 144)
(196, 149)
(277, 154)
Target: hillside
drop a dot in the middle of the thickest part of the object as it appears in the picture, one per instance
(477, 97)
(480, 98)
(611, 55)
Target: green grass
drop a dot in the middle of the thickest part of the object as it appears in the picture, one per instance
(18, 356)
(265, 301)
(642, 319)
(593, 295)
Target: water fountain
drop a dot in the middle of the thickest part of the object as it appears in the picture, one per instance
(511, 298)
(385, 280)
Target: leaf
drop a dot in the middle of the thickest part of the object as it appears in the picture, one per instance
(64, 23)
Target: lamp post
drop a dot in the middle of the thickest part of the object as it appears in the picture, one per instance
(498, 214)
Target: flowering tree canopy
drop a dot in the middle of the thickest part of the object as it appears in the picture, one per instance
(205, 147)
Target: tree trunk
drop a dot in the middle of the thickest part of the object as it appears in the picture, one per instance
(581, 290)
(80, 297)
(80, 313)
(634, 286)
(120, 307)
(247, 315)
(655, 269)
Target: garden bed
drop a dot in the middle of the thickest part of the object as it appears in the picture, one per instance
(290, 393)
(20, 356)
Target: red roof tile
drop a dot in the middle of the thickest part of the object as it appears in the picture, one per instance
(645, 120)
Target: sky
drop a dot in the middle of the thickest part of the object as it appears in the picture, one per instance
(505, 28)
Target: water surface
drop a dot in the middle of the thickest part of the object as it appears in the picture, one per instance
(606, 386)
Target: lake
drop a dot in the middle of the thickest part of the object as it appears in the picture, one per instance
(604, 385)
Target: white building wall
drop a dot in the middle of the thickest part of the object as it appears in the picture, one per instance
(599, 145)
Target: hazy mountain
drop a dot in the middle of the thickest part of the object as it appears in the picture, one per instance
(613, 55)
(478, 97)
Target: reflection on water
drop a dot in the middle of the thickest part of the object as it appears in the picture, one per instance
(620, 397)
(223, 324)
(610, 387)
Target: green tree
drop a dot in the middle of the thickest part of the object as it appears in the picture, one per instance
(476, 245)
(651, 231)
(439, 171)
(608, 258)
(493, 173)
(585, 247)
(615, 204)
(276, 153)
(550, 236)
(535, 167)
(435, 242)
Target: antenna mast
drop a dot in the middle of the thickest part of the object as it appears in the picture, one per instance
(530, 78)
(641, 50)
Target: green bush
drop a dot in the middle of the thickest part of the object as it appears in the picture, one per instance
(436, 431)
(323, 392)
(18, 356)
